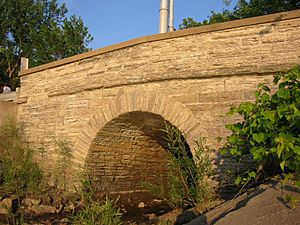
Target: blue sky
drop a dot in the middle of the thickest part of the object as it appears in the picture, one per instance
(114, 21)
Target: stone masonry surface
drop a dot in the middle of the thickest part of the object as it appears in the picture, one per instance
(190, 80)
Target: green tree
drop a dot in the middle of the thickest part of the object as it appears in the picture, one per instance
(39, 30)
(244, 9)
(214, 18)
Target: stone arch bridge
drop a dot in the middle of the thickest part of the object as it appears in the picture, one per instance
(110, 104)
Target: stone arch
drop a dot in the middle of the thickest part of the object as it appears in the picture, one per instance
(169, 109)
(128, 151)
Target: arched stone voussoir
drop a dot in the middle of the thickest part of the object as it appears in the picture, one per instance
(135, 101)
(172, 111)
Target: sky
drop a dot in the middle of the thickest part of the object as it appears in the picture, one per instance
(114, 21)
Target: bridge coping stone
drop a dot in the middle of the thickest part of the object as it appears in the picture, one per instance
(169, 35)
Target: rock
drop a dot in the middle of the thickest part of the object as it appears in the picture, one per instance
(26, 202)
(170, 217)
(123, 209)
(151, 216)
(70, 207)
(186, 216)
(40, 210)
(36, 201)
(6, 206)
(14, 198)
(58, 200)
(46, 200)
(260, 205)
(141, 205)
(29, 202)
(60, 208)
(65, 220)
(157, 201)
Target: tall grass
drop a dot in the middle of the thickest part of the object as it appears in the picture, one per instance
(19, 173)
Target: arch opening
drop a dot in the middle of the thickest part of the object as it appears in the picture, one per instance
(128, 150)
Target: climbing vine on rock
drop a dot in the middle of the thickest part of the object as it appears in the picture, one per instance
(270, 129)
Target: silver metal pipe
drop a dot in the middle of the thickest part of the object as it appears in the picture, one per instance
(164, 16)
(171, 16)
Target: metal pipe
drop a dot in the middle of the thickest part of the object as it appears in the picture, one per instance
(171, 16)
(164, 16)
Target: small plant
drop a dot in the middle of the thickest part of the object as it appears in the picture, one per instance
(19, 173)
(165, 222)
(98, 213)
(94, 211)
(88, 189)
(269, 132)
(292, 200)
(14, 219)
(186, 183)
(63, 164)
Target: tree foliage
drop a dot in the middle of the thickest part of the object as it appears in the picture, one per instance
(39, 30)
(244, 9)
(270, 129)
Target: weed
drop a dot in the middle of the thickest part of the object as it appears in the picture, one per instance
(19, 173)
(63, 164)
(95, 212)
(186, 183)
(14, 219)
(292, 200)
(98, 213)
(165, 222)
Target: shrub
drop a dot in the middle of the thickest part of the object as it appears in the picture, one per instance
(186, 183)
(270, 129)
(19, 173)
